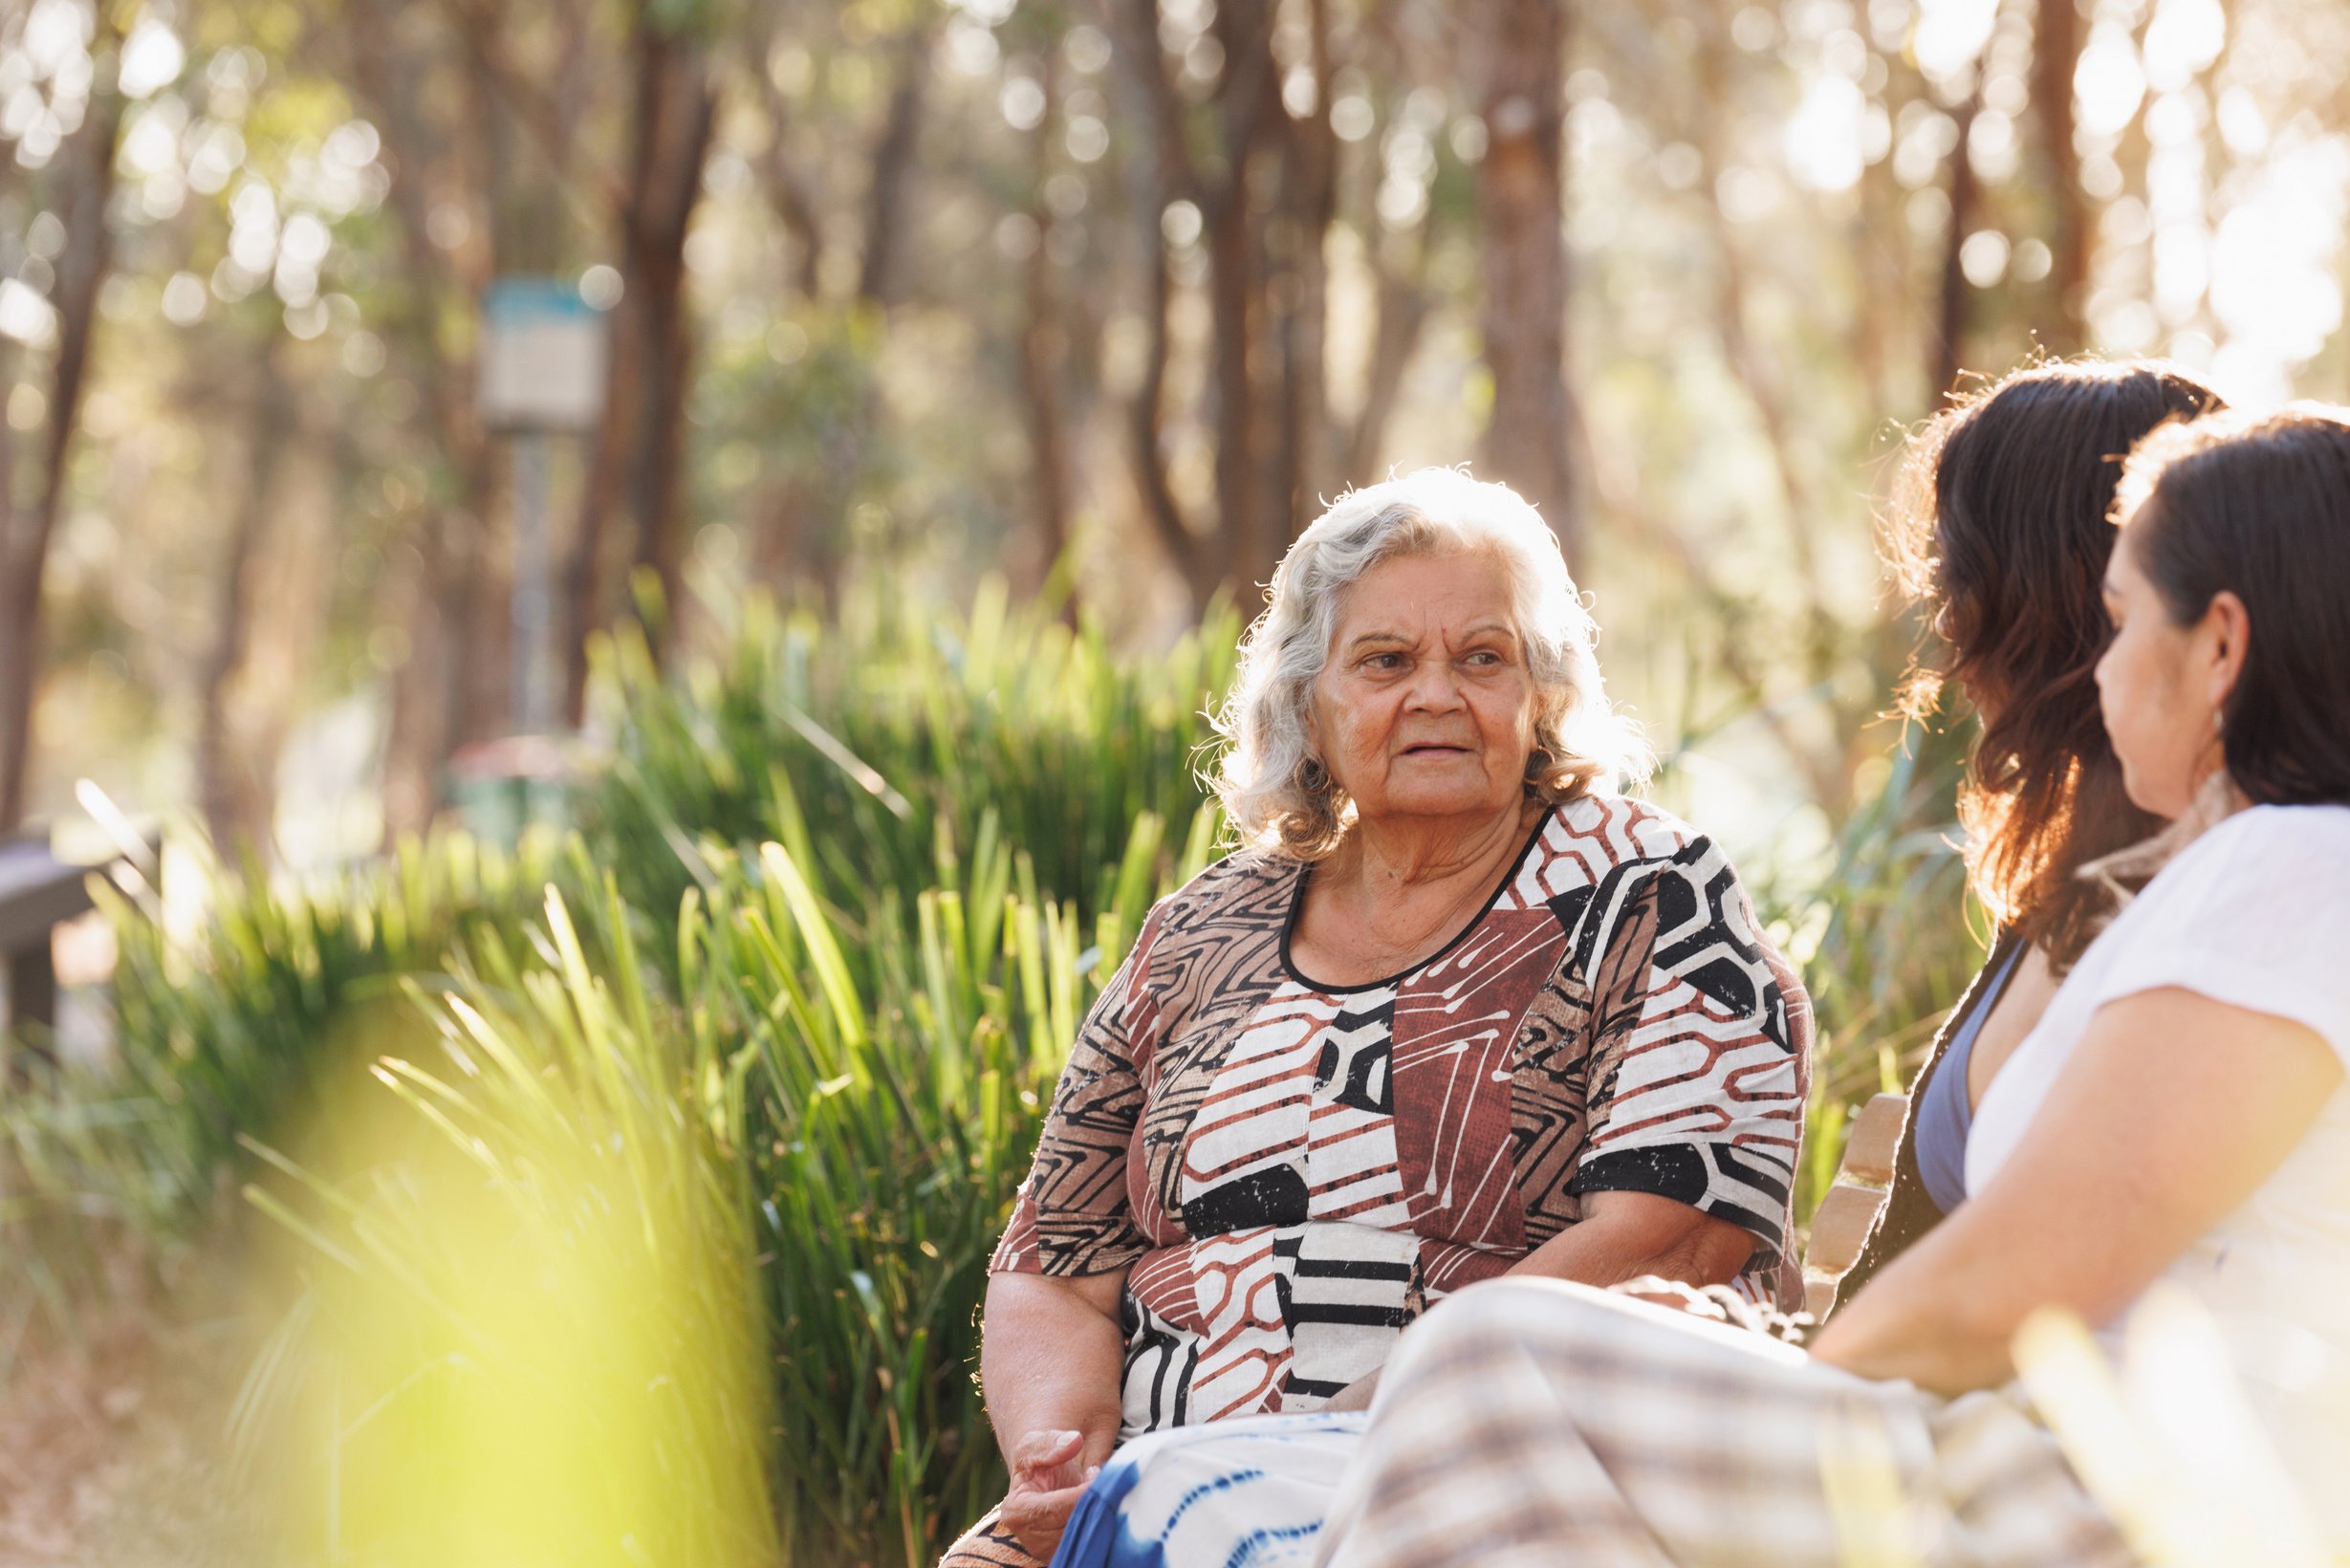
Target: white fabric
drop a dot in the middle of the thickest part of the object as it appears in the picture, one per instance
(1538, 1424)
(2256, 913)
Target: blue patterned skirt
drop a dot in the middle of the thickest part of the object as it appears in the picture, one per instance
(1242, 1494)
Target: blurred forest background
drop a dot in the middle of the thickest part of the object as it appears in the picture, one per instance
(620, 1189)
(911, 291)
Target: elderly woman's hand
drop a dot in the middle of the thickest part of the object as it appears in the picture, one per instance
(1355, 1395)
(1716, 1304)
(1659, 1291)
(1048, 1474)
(1051, 1363)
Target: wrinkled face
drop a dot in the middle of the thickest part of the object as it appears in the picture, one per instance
(1425, 708)
(2161, 686)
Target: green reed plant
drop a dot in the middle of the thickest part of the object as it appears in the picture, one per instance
(873, 1012)
(1886, 937)
(889, 1101)
(854, 742)
(870, 1089)
(230, 1030)
(530, 1331)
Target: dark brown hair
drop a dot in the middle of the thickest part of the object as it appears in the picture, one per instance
(2260, 508)
(2001, 531)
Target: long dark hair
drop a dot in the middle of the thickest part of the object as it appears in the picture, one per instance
(2260, 508)
(2000, 529)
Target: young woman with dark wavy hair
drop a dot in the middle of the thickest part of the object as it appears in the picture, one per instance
(2000, 530)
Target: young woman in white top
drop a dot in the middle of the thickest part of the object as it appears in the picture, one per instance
(2179, 1114)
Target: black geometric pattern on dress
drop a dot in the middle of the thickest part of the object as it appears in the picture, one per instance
(1698, 938)
(1350, 1296)
(1159, 1360)
(1355, 1068)
(1683, 1173)
(1274, 1196)
(1706, 940)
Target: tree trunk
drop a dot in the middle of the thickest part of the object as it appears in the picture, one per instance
(21, 567)
(436, 597)
(1264, 219)
(1043, 351)
(1951, 318)
(1162, 174)
(1233, 300)
(263, 665)
(2056, 54)
(87, 165)
(1522, 197)
(1253, 233)
(638, 454)
(1200, 559)
(1405, 304)
(231, 783)
(790, 184)
(893, 168)
(1306, 460)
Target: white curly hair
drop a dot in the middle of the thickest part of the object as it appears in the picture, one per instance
(1275, 792)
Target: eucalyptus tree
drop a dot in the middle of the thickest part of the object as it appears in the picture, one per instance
(68, 80)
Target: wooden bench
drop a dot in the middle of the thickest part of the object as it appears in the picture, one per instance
(37, 891)
(1840, 1225)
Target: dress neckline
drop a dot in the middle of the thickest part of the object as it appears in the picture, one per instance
(1298, 904)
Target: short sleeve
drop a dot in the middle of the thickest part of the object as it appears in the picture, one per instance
(1700, 1061)
(2255, 914)
(1072, 1215)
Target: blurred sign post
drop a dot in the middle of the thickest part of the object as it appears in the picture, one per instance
(542, 374)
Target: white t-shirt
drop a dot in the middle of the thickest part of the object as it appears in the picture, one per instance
(2255, 913)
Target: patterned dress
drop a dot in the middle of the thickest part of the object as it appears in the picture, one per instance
(1289, 1172)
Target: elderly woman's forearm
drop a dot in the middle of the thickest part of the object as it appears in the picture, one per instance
(1623, 1235)
(1052, 1357)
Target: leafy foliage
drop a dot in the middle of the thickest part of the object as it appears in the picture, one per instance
(524, 1334)
(864, 743)
(228, 1031)
(888, 1107)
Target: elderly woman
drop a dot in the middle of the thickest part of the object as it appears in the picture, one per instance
(1456, 1010)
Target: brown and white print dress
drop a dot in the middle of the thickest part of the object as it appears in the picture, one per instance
(1289, 1172)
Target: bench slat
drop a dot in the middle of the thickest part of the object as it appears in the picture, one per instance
(1840, 1227)
(1876, 1133)
(36, 891)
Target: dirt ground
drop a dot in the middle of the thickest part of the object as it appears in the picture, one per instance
(114, 1450)
(114, 1447)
